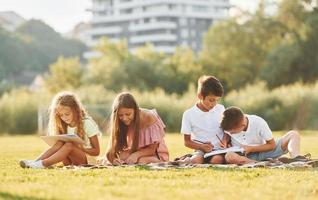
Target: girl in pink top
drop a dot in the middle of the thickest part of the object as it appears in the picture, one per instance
(137, 135)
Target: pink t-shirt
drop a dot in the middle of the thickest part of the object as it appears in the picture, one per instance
(152, 134)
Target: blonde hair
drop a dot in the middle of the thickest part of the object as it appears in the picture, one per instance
(118, 140)
(56, 125)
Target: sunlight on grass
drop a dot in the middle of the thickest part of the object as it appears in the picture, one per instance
(140, 183)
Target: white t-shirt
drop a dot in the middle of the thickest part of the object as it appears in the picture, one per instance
(90, 128)
(203, 126)
(257, 132)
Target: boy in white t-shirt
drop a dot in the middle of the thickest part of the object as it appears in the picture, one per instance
(253, 134)
(201, 123)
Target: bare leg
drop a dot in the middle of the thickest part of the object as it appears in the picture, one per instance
(124, 155)
(234, 158)
(217, 159)
(51, 150)
(196, 159)
(148, 159)
(68, 150)
(291, 142)
(67, 162)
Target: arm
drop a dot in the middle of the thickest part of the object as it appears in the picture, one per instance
(205, 147)
(95, 150)
(269, 146)
(149, 150)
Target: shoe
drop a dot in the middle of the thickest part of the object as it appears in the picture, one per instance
(298, 158)
(32, 164)
(301, 158)
(25, 163)
(36, 165)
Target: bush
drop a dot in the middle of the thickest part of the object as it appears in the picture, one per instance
(286, 107)
(18, 112)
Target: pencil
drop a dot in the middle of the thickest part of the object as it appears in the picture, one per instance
(219, 139)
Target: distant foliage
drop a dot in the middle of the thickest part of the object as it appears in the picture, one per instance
(144, 70)
(286, 107)
(279, 49)
(32, 48)
(18, 112)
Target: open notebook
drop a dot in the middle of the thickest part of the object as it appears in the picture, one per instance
(52, 139)
(221, 151)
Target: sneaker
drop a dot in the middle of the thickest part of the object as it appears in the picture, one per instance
(298, 158)
(36, 165)
(32, 164)
(301, 158)
(25, 163)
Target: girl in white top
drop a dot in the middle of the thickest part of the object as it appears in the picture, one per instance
(67, 116)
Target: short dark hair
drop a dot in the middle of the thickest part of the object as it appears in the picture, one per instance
(232, 116)
(210, 85)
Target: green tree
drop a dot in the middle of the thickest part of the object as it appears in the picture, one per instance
(65, 74)
(295, 57)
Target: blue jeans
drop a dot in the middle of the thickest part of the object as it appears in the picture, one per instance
(277, 152)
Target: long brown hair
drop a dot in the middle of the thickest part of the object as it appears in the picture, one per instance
(118, 140)
(56, 125)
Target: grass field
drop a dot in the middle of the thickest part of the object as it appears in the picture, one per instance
(133, 183)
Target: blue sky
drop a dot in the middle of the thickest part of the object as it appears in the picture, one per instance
(63, 15)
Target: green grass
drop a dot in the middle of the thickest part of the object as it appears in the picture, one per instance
(139, 183)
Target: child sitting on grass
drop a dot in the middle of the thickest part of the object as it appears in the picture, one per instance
(253, 134)
(68, 116)
(137, 134)
(201, 123)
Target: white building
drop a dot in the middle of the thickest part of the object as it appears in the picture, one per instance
(79, 32)
(165, 24)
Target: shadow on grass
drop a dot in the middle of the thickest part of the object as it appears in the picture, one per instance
(6, 195)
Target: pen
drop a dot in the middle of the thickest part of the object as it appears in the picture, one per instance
(219, 139)
(199, 141)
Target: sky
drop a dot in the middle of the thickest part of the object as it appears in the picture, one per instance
(63, 15)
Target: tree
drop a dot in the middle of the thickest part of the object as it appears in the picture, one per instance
(295, 57)
(64, 74)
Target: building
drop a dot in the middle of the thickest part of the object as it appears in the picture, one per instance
(10, 20)
(165, 24)
(79, 32)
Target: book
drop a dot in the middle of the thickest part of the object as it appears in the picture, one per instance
(221, 151)
(52, 139)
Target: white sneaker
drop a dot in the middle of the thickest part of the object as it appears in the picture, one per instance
(32, 164)
(25, 163)
(36, 165)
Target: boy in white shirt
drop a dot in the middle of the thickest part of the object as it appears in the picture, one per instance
(201, 123)
(253, 134)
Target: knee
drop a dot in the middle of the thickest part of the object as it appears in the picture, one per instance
(217, 159)
(68, 145)
(58, 145)
(229, 157)
(197, 160)
(142, 161)
(295, 134)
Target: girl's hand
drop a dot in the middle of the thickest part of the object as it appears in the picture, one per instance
(132, 159)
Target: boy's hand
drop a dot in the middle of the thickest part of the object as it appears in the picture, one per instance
(206, 147)
(223, 144)
(247, 149)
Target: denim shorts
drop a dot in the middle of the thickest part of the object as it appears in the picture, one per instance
(277, 152)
